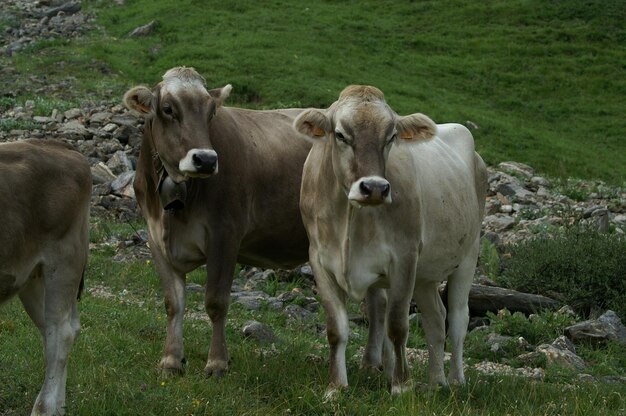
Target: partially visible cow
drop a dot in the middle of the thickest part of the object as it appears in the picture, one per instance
(392, 206)
(45, 190)
(217, 185)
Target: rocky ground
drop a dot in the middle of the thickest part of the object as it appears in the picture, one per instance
(519, 205)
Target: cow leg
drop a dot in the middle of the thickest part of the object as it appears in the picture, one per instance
(376, 306)
(173, 286)
(50, 300)
(429, 302)
(398, 331)
(220, 273)
(459, 285)
(337, 330)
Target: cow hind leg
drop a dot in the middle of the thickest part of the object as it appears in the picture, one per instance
(398, 332)
(51, 302)
(459, 285)
(376, 306)
(429, 302)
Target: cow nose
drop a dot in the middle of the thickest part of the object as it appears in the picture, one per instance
(371, 190)
(204, 162)
(199, 163)
(368, 188)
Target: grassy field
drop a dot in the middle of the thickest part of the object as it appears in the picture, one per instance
(544, 81)
(112, 369)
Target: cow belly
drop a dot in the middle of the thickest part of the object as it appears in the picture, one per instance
(8, 286)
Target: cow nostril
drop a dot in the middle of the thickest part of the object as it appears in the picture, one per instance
(365, 189)
(385, 190)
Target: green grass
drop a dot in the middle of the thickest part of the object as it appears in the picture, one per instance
(544, 81)
(112, 368)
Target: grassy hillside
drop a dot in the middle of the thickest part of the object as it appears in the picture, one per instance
(544, 81)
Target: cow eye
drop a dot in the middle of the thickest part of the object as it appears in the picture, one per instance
(341, 137)
(167, 109)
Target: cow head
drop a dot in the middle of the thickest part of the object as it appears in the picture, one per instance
(360, 129)
(179, 110)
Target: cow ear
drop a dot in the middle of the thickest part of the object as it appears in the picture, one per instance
(220, 94)
(313, 124)
(139, 101)
(416, 127)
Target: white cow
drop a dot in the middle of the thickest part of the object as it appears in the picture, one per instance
(392, 206)
(45, 190)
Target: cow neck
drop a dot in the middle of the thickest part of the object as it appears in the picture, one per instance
(171, 195)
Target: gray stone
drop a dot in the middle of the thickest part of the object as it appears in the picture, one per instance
(499, 222)
(260, 332)
(73, 113)
(513, 190)
(66, 9)
(298, 313)
(517, 168)
(100, 117)
(144, 30)
(606, 327)
(119, 163)
(123, 185)
(541, 181)
(100, 173)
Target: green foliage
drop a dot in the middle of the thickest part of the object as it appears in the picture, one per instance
(542, 80)
(540, 328)
(489, 259)
(579, 266)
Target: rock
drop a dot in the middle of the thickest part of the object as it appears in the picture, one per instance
(298, 313)
(100, 117)
(517, 168)
(558, 356)
(101, 173)
(66, 9)
(513, 190)
(606, 327)
(499, 222)
(123, 185)
(541, 181)
(144, 30)
(119, 163)
(260, 332)
(73, 113)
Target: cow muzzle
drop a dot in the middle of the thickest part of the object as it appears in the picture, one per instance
(199, 163)
(370, 190)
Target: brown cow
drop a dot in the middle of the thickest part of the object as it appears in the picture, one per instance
(44, 241)
(248, 212)
(393, 206)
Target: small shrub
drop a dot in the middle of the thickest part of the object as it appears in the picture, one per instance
(540, 328)
(579, 266)
(489, 259)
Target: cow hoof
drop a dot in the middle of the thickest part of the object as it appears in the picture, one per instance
(333, 392)
(401, 388)
(216, 368)
(171, 367)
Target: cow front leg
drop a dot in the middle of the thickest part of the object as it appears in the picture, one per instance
(220, 271)
(337, 330)
(429, 302)
(173, 287)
